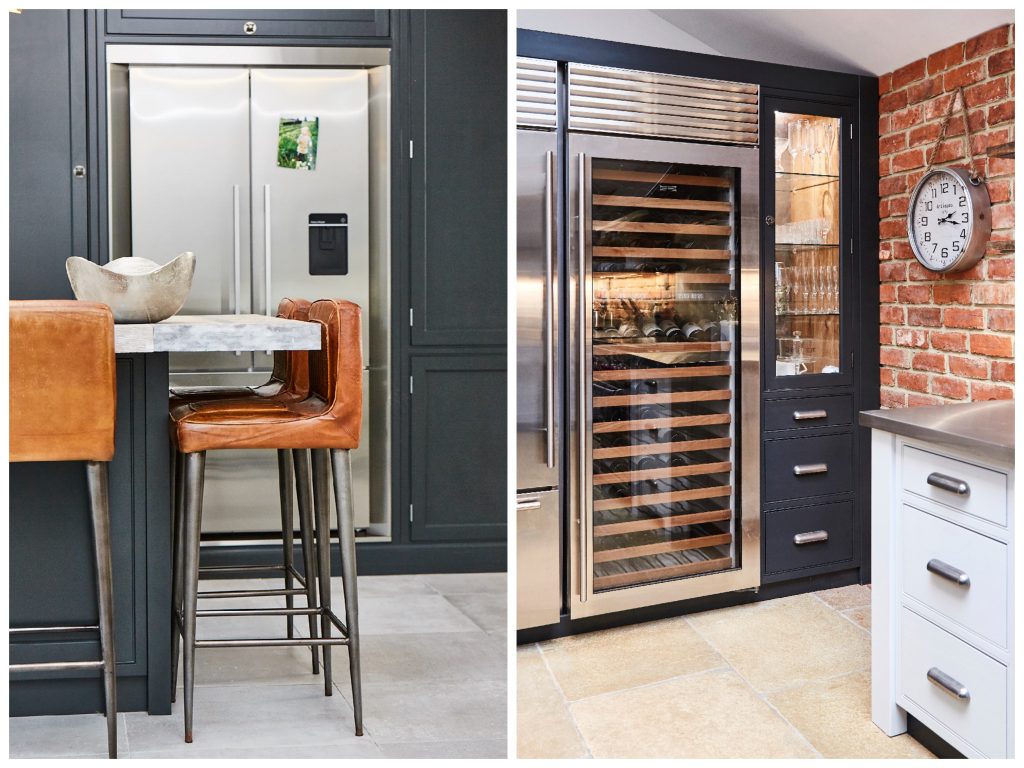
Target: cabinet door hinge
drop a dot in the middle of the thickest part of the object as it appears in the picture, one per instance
(410, 513)
(410, 385)
(410, 149)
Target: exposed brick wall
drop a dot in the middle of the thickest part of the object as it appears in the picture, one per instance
(946, 338)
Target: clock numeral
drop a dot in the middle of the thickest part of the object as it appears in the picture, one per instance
(966, 218)
(934, 193)
(928, 205)
(963, 233)
(963, 200)
(924, 221)
(945, 187)
(956, 246)
(945, 252)
(927, 237)
(934, 247)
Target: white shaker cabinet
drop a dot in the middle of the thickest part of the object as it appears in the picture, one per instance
(942, 573)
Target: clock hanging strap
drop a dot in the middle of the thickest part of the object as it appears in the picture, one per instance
(976, 178)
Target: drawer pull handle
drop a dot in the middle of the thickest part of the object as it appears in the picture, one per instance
(947, 571)
(810, 537)
(951, 484)
(806, 415)
(950, 685)
(526, 504)
(810, 469)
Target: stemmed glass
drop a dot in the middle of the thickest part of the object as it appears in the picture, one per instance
(793, 139)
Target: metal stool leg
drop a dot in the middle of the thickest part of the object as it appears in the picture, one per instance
(285, 482)
(300, 460)
(322, 502)
(195, 466)
(178, 572)
(341, 463)
(99, 503)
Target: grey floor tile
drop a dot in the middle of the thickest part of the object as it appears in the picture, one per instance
(63, 736)
(487, 610)
(254, 716)
(364, 748)
(436, 711)
(412, 614)
(462, 583)
(388, 585)
(448, 749)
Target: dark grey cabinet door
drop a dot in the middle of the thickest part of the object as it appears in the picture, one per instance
(47, 139)
(458, 178)
(459, 448)
(233, 22)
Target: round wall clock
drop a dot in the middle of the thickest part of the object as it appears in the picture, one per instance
(949, 220)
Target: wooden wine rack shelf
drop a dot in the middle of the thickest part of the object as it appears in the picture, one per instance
(669, 422)
(648, 449)
(660, 473)
(609, 347)
(624, 502)
(699, 396)
(658, 574)
(692, 254)
(618, 225)
(611, 174)
(678, 545)
(655, 523)
(680, 204)
(694, 371)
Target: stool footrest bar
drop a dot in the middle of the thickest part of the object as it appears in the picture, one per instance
(259, 612)
(36, 630)
(253, 593)
(270, 642)
(56, 666)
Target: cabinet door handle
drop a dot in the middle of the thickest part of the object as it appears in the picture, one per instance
(549, 300)
(527, 504)
(810, 537)
(810, 469)
(948, 684)
(951, 484)
(807, 415)
(947, 571)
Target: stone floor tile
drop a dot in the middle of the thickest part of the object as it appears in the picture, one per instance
(487, 610)
(361, 749)
(842, 598)
(463, 583)
(711, 714)
(860, 616)
(63, 736)
(544, 727)
(835, 716)
(784, 643)
(625, 657)
(412, 614)
(494, 749)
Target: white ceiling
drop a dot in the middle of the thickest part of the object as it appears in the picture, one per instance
(863, 42)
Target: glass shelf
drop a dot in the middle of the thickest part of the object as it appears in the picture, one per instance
(806, 245)
(806, 314)
(797, 182)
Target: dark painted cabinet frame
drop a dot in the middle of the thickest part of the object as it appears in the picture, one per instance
(854, 98)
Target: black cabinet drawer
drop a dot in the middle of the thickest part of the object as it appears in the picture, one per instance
(808, 537)
(799, 467)
(807, 412)
(262, 23)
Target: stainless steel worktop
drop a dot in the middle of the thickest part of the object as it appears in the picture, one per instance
(985, 429)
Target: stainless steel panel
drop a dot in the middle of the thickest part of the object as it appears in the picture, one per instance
(583, 601)
(339, 184)
(537, 310)
(248, 55)
(538, 595)
(188, 153)
(536, 104)
(606, 100)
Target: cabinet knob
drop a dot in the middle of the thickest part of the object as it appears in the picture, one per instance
(78, 171)
(249, 27)
(769, 220)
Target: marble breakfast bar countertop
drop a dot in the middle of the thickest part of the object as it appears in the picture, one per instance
(215, 333)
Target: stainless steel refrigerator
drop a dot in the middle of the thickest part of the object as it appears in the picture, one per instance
(658, 358)
(264, 171)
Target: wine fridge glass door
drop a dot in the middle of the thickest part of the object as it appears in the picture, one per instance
(659, 377)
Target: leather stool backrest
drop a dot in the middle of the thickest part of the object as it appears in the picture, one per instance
(63, 385)
(336, 369)
(292, 368)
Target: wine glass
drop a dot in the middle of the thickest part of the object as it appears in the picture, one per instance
(807, 146)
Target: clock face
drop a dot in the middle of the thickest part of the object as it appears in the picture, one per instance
(941, 220)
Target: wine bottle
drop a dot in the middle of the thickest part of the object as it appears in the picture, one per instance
(668, 326)
(649, 326)
(693, 332)
(712, 331)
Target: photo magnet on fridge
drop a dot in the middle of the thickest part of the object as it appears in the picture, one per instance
(296, 142)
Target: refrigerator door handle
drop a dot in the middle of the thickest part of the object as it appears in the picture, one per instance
(236, 297)
(268, 310)
(549, 298)
(581, 335)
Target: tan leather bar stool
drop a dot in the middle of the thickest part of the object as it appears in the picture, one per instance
(63, 400)
(289, 382)
(328, 420)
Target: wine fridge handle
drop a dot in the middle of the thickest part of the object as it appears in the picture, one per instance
(549, 298)
(236, 233)
(581, 335)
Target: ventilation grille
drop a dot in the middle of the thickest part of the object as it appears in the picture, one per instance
(535, 93)
(603, 100)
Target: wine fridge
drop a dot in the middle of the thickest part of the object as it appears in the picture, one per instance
(665, 372)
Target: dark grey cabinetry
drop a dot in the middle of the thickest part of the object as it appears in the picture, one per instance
(47, 138)
(459, 478)
(458, 181)
(243, 23)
